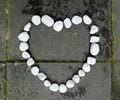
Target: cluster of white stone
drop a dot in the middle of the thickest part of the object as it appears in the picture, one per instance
(58, 26)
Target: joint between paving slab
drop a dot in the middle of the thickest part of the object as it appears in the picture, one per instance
(112, 47)
(5, 83)
(6, 34)
(6, 48)
(55, 61)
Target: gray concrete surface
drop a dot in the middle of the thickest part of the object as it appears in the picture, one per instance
(2, 81)
(116, 89)
(2, 30)
(116, 20)
(58, 54)
(23, 86)
(69, 44)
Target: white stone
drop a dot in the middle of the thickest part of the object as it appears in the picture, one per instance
(36, 20)
(47, 20)
(54, 87)
(81, 73)
(94, 49)
(76, 20)
(30, 62)
(94, 39)
(42, 76)
(62, 88)
(87, 20)
(35, 70)
(67, 23)
(70, 83)
(23, 46)
(47, 83)
(25, 55)
(27, 27)
(23, 36)
(94, 29)
(76, 78)
(58, 26)
(86, 67)
(91, 60)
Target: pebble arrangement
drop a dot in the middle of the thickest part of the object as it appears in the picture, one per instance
(58, 26)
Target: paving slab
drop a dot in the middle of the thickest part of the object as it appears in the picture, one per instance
(116, 20)
(116, 85)
(96, 85)
(2, 30)
(2, 80)
(69, 44)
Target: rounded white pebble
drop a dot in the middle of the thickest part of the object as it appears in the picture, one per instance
(70, 83)
(54, 87)
(94, 39)
(36, 20)
(30, 62)
(62, 88)
(35, 70)
(94, 29)
(47, 20)
(27, 27)
(86, 67)
(81, 73)
(76, 78)
(58, 26)
(47, 83)
(94, 49)
(23, 46)
(25, 55)
(76, 20)
(67, 23)
(91, 60)
(42, 76)
(23, 36)
(87, 20)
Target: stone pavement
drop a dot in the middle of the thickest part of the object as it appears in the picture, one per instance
(59, 54)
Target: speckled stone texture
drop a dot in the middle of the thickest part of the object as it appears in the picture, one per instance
(22, 85)
(69, 44)
(2, 30)
(2, 81)
(61, 54)
(116, 40)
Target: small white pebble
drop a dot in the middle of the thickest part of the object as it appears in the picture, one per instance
(62, 88)
(54, 87)
(36, 20)
(86, 67)
(58, 26)
(81, 73)
(30, 62)
(94, 29)
(91, 60)
(87, 20)
(47, 20)
(35, 70)
(27, 27)
(76, 20)
(94, 49)
(70, 84)
(23, 46)
(25, 55)
(47, 83)
(94, 39)
(23, 36)
(76, 78)
(67, 23)
(42, 76)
